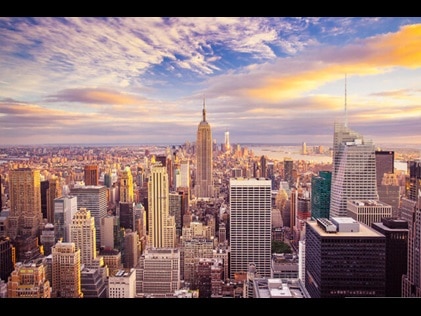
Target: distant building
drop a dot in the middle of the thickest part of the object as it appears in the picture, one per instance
(91, 175)
(204, 153)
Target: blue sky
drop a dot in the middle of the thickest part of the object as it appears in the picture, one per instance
(265, 80)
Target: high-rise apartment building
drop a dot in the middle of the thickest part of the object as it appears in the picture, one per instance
(344, 258)
(66, 271)
(204, 181)
(354, 169)
(91, 175)
(83, 235)
(161, 226)
(250, 225)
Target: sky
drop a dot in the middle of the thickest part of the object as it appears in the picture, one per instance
(145, 80)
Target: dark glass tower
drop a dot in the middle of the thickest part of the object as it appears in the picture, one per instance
(320, 194)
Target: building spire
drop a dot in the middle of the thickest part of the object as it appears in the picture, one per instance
(204, 110)
(346, 113)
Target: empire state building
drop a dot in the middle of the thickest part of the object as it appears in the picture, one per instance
(204, 182)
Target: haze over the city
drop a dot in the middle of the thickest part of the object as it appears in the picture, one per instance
(265, 80)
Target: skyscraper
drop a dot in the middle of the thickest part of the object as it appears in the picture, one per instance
(410, 211)
(385, 161)
(64, 209)
(204, 181)
(91, 176)
(66, 271)
(250, 225)
(82, 234)
(93, 198)
(227, 144)
(320, 194)
(25, 202)
(354, 169)
(161, 230)
(126, 186)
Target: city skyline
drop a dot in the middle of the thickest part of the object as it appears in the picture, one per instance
(265, 80)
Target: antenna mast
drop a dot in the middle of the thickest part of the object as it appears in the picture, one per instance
(346, 113)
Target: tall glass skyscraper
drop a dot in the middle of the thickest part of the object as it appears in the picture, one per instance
(354, 169)
(250, 225)
(204, 181)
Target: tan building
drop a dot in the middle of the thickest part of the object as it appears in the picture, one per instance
(122, 284)
(158, 273)
(368, 211)
(83, 235)
(66, 271)
(29, 280)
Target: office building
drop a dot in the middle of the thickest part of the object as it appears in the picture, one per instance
(94, 199)
(54, 191)
(131, 249)
(204, 181)
(368, 212)
(93, 281)
(29, 280)
(126, 186)
(91, 175)
(354, 169)
(83, 235)
(396, 232)
(410, 210)
(320, 194)
(344, 258)
(288, 171)
(250, 225)
(161, 230)
(66, 271)
(25, 216)
(158, 273)
(122, 284)
(7, 259)
(385, 163)
(64, 209)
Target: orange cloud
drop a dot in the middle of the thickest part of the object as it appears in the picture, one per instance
(372, 56)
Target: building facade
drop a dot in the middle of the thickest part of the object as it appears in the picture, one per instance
(250, 225)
